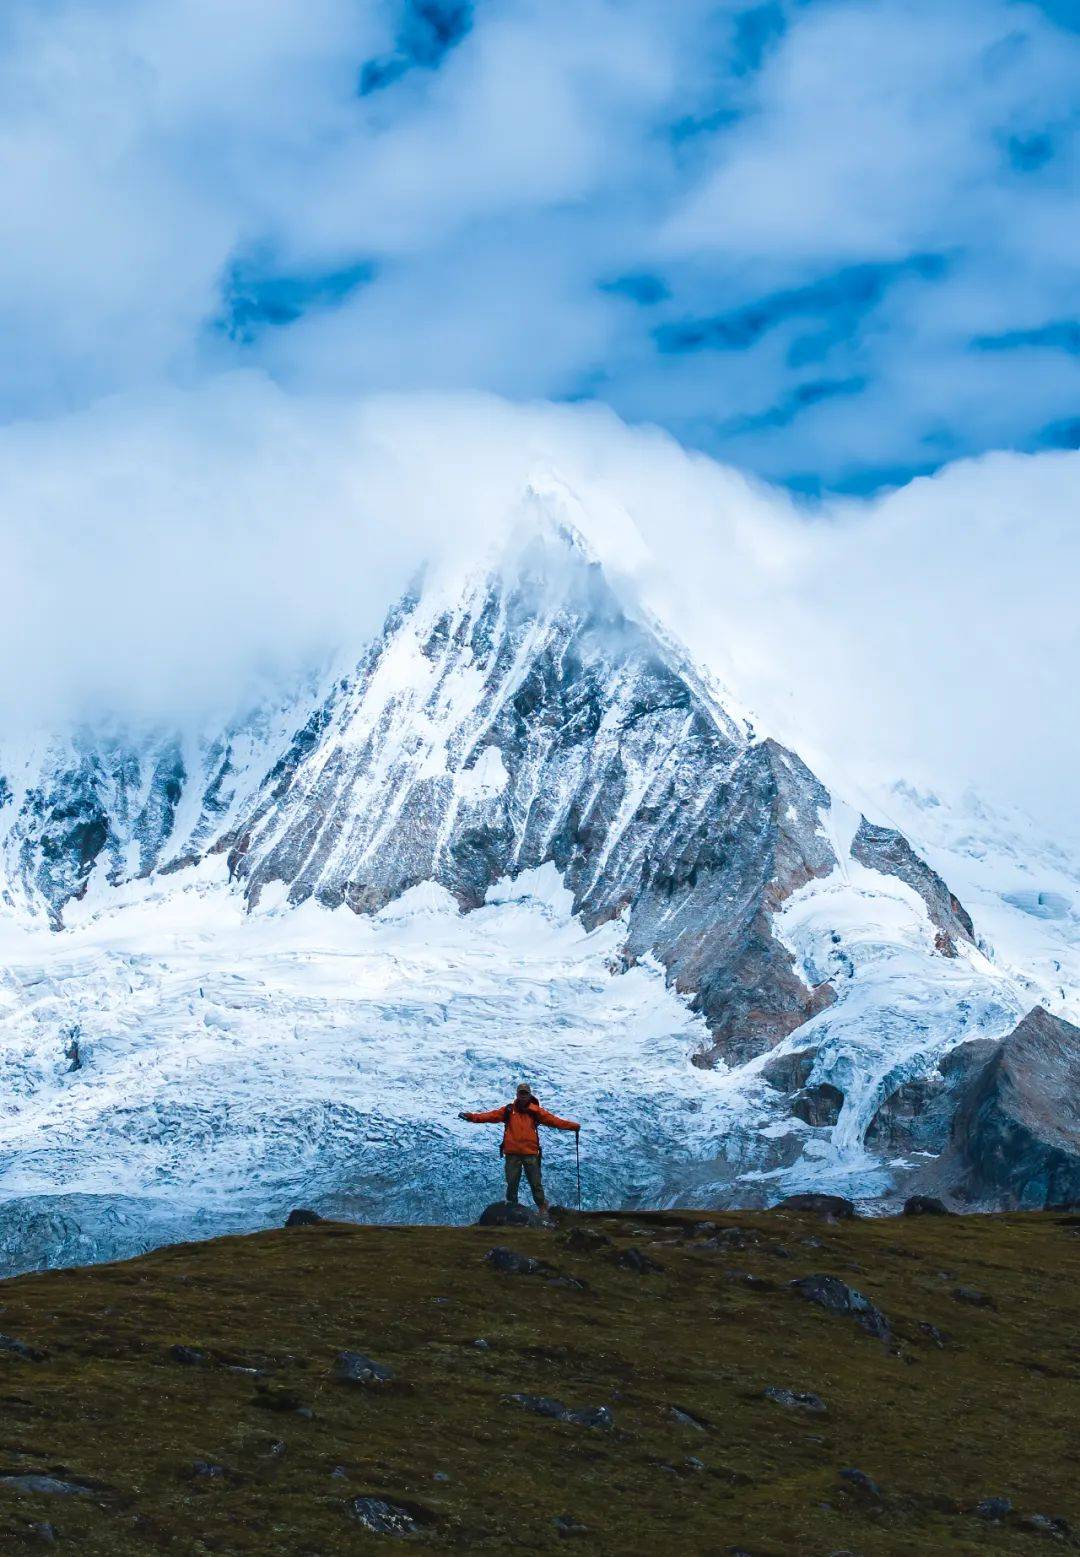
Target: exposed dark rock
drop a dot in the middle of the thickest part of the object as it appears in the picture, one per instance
(543, 1405)
(355, 1368)
(284, 1400)
(687, 1418)
(858, 1481)
(917, 1116)
(188, 1356)
(994, 1509)
(501, 1214)
(1044, 1524)
(973, 1297)
(789, 1072)
(510, 1263)
(1016, 1134)
(47, 1486)
(883, 849)
(634, 1260)
(303, 1217)
(925, 1205)
(567, 1526)
(819, 1105)
(833, 1208)
(830, 1293)
(382, 1517)
(795, 1399)
(584, 1240)
(16, 1348)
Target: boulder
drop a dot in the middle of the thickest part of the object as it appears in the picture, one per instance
(636, 1261)
(1016, 1134)
(834, 1295)
(383, 1517)
(544, 1405)
(918, 1115)
(510, 1263)
(501, 1214)
(355, 1368)
(303, 1217)
(583, 1240)
(46, 1486)
(834, 1208)
(794, 1399)
(925, 1205)
(858, 1481)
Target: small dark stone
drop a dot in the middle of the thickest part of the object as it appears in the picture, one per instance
(188, 1356)
(860, 1482)
(973, 1297)
(933, 1334)
(639, 1263)
(746, 1278)
(994, 1508)
(303, 1217)
(383, 1518)
(16, 1348)
(583, 1240)
(510, 1263)
(1042, 1524)
(543, 1405)
(687, 1418)
(207, 1468)
(794, 1399)
(566, 1526)
(571, 1283)
(925, 1205)
(46, 1486)
(501, 1214)
(834, 1208)
(355, 1368)
(830, 1293)
(281, 1400)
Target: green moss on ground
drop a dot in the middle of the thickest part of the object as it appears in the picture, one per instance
(989, 1410)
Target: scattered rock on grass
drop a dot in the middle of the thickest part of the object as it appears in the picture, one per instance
(500, 1214)
(687, 1418)
(1043, 1524)
(303, 1216)
(510, 1263)
(994, 1509)
(16, 1348)
(860, 1482)
(925, 1205)
(543, 1405)
(281, 1400)
(385, 1518)
(834, 1208)
(973, 1297)
(46, 1486)
(583, 1240)
(355, 1368)
(188, 1356)
(566, 1526)
(641, 1264)
(794, 1399)
(830, 1293)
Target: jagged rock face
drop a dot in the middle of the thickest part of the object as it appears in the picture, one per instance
(530, 720)
(885, 850)
(918, 1116)
(1016, 1135)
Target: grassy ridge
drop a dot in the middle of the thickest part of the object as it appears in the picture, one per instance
(207, 1458)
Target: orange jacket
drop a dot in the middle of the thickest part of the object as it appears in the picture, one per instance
(521, 1138)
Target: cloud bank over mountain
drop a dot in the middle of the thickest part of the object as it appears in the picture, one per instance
(168, 556)
(831, 241)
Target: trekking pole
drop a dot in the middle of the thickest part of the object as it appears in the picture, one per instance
(577, 1157)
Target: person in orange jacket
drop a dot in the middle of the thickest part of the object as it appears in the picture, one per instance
(521, 1140)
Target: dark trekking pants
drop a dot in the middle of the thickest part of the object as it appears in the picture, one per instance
(514, 1165)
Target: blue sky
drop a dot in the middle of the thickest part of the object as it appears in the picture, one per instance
(833, 242)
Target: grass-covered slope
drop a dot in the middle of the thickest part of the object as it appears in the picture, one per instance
(247, 1442)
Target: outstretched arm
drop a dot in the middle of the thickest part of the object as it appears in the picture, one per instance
(543, 1117)
(491, 1116)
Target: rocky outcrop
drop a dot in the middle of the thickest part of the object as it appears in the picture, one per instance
(1016, 1135)
(886, 850)
(918, 1115)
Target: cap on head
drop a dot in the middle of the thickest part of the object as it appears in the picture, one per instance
(524, 1090)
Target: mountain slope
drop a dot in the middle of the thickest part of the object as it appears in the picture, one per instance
(523, 785)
